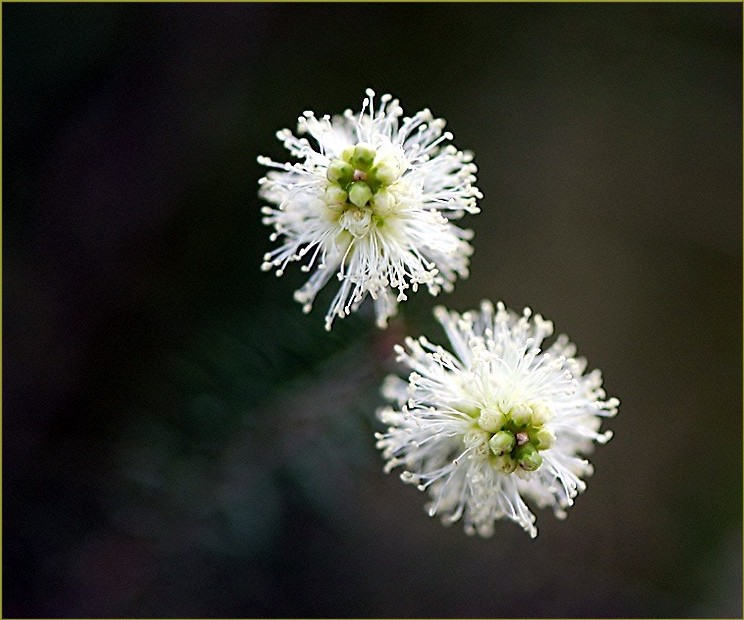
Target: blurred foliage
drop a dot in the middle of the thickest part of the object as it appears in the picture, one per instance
(254, 409)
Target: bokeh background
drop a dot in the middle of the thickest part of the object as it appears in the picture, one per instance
(179, 440)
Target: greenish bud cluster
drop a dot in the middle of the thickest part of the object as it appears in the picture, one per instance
(517, 435)
(360, 178)
(502, 443)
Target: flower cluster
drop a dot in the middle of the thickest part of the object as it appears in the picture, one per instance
(500, 419)
(496, 420)
(371, 200)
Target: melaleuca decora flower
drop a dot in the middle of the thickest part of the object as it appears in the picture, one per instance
(371, 201)
(495, 422)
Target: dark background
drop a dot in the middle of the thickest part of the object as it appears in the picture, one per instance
(179, 440)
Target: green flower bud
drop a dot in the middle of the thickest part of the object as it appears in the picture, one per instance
(363, 156)
(521, 415)
(334, 195)
(386, 173)
(506, 464)
(544, 439)
(501, 443)
(339, 172)
(528, 457)
(541, 414)
(359, 193)
(347, 154)
(384, 203)
(491, 419)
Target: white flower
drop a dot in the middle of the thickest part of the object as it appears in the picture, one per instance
(496, 421)
(371, 201)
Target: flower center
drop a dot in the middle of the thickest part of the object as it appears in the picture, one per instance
(516, 434)
(357, 189)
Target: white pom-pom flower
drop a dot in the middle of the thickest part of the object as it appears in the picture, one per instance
(496, 421)
(370, 200)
